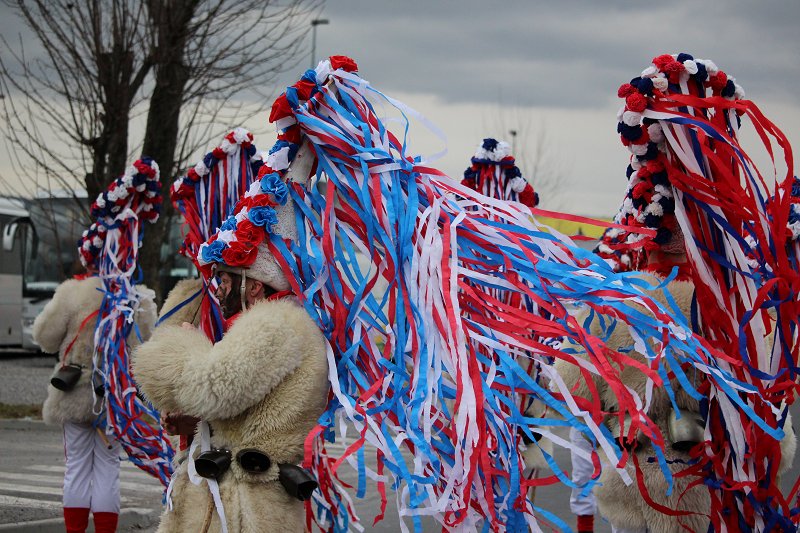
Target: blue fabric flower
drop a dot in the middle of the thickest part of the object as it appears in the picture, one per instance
(278, 145)
(274, 185)
(229, 224)
(212, 252)
(263, 216)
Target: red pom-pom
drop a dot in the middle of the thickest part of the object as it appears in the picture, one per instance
(343, 62)
(219, 153)
(662, 61)
(280, 109)
(193, 175)
(304, 89)
(718, 81)
(528, 196)
(636, 102)
(143, 168)
(625, 89)
(469, 183)
(673, 71)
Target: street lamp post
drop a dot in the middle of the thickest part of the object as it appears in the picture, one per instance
(314, 24)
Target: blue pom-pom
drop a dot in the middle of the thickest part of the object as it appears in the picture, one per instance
(659, 178)
(274, 185)
(310, 75)
(291, 97)
(652, 152)
(667, 204)
(651, 220)
(263, 216)
(631, 133)
(277, 146)
(702, 73)
(684, 57)
(489, 144)
(629, 172)
(729, 89)
(663, 235)
(212, 252)
(209, 160)
(646, 86)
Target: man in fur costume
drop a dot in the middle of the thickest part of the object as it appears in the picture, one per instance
(711, 446)
(78, 396)
(259, 391)
(204, 197)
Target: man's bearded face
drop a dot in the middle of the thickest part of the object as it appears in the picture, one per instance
(229, 294)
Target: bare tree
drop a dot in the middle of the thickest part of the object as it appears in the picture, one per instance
(537, 157)
(194, 68)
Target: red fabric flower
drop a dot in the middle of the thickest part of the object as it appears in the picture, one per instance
(280, 109)
(625, 89)
(343, 62)
(291, 135)
(239, 254)
(247, 232)
(636, 102)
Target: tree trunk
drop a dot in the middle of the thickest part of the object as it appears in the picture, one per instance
(170, 21)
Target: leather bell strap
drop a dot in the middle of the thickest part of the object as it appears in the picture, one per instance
(204, 442)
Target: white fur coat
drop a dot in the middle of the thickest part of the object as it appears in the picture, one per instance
(56, 327)
(262, 386)
(623, 505)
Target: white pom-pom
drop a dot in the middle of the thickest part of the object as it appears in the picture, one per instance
(649, 72)
(690, 66)
(620, 112)
(201, 169)
(241, 135)
(625, 260)
(97, 241)
(518, 184)
(503, 149)
(605, 249)
(738, 92)
(711, 67)
(127, 180)
(631, 118)
(636, 164)
(655, 132)
(638, 149)
(654, 208)
(660, 83)
(86, 245)
(228, 147)
(323, 70)
(101, 203)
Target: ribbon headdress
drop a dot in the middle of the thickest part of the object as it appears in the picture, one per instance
(692, 184)
(205, 197)
(433, 366)
(110, 248)
(494, 173)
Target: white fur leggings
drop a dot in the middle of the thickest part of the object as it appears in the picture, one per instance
(91, 478)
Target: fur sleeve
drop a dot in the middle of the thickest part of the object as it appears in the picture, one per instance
(52, 324)
(145, 314)
(181, 370)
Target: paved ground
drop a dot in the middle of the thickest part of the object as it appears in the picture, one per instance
(24, 378)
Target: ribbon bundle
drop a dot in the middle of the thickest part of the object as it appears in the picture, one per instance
(681, 121)
(113, 244)
(433, 366)
(205, 197)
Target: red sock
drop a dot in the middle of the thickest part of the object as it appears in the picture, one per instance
(76, 519)
(585, 523)
(105, 522)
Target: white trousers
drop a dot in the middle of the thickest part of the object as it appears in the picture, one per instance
(91, 478)
(582, 470)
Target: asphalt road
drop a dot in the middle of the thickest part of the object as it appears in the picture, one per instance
(31, 466)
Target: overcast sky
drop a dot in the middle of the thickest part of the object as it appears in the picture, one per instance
(480, 69)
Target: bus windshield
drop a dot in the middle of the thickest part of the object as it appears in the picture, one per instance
(50, 254)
